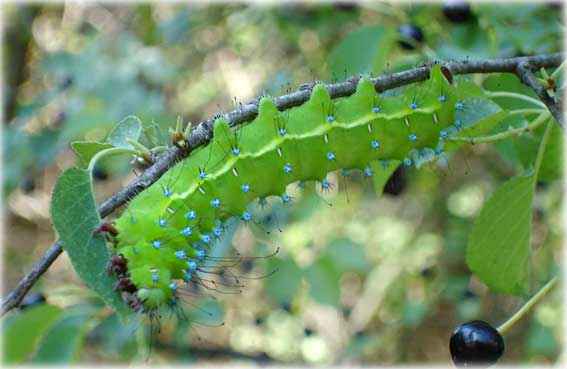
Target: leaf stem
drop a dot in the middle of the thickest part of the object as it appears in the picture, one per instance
(527, 306)
(541, 149)
(516, 96)
(108, 152)
(526, 111)
(506, 134)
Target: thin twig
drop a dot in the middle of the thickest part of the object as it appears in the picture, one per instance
(202, 133)
(524, 72)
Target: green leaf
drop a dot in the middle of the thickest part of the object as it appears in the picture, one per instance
(63, 341)
(524, 30)
(481, 117)
(323, 278)
(468, 89)
(21, 337)
(526, 148)
(499, 244)
(509, 82)
(153, 133)
(382, 174)
(129, 127)
(75, 217)
(87, 149)
(522, 150)
(364, 50)
(285, 284)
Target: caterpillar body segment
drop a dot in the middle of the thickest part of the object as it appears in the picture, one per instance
(166, 231)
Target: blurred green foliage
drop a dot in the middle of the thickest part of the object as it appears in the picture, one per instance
(366, 281)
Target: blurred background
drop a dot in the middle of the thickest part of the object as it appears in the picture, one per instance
(367, 280)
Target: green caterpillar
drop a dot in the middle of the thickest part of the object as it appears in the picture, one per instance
(163, 235)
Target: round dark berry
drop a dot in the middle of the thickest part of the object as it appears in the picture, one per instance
(32, 299)
(396, 183)
(476, 343)
(410, 31)
(541, 185)
(346, 5)
(99, 173)
(457, 11)
(427, 272)
(557, 5)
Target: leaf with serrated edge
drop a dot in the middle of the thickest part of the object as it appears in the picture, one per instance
(87, 149)
(129, 127)
(499, 243)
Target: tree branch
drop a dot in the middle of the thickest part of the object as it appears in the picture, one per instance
(524, 72)
(202, 133)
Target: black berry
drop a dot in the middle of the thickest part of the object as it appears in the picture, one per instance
(541, 185)
(99, 173)
(557, 5)
(476, 343)
(32, 299)
(427, 272)
(396, 183)
(457, 11)
(410, 31)
(346, 5)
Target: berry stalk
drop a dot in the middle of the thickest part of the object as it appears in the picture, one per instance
(503, 328)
